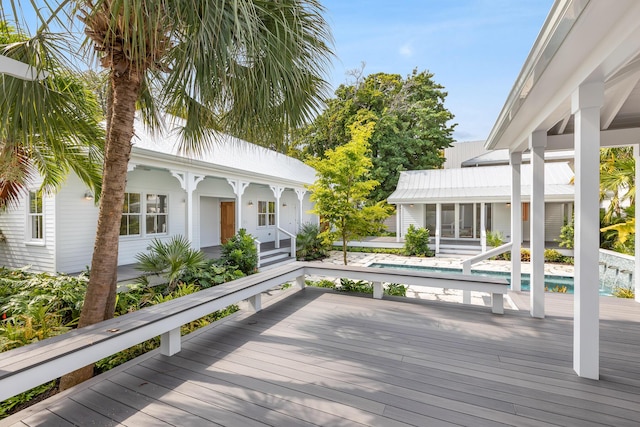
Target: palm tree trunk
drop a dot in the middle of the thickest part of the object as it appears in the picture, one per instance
(99, 302)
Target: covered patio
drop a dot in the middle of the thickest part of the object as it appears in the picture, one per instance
(579, 88)
(317, 357)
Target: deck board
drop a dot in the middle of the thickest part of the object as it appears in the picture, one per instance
(318, 357)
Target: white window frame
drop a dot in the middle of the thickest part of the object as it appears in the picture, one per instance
(126, 215)
(268, 215)
(156, 215)
(29, 230)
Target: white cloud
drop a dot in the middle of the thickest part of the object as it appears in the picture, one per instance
(406, 50)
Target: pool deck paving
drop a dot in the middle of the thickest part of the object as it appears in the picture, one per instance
(440, 294)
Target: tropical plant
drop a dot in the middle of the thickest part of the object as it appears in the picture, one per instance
(309, 244)
(240, 251)
(211, 274)
(624, 292)
(341, 190)
(494, 239)
(48, 127)
(248, 67)
(552, 255)
(566, 237)
(360, 286)
(173, 259)
(416, 241)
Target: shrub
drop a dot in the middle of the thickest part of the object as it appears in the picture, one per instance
(212, 274)
(362, 286)
(416, 242)
(566, 235)
(552, 255)
(324, 283)
(395, 289)
(172, 259)
(310, 245)
(525, 255)
(494, 239)
(240, 251)
(623, 292)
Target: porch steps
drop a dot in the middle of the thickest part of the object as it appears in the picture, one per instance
(460, 249)
(275, 256)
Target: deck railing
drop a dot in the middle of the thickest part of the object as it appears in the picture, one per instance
(26, 367)
(293, 241)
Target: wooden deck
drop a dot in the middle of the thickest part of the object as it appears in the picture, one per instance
(318, 357)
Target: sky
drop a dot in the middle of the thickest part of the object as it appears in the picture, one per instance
(474, 48)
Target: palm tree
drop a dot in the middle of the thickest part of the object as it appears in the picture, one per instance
(56, 130)
(253, 68)
(617, 179)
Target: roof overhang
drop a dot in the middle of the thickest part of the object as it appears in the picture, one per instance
(581, 41)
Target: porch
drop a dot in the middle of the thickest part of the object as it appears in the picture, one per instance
(317, 357)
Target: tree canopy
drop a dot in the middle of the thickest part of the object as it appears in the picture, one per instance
(411, 125)
(342, 188)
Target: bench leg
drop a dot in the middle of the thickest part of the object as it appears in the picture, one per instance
(300, 282)
(170, 342)
(466, 297)
(256, 302)
(497, 304)
(377, 290)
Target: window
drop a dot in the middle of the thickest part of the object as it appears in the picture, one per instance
(35, 216)
(157, 212)
(130, 222)
(266, 213)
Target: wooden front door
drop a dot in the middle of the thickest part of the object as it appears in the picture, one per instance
(227, 220)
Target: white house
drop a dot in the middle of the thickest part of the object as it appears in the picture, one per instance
(459, 205)
(206, 198)
(579, 88)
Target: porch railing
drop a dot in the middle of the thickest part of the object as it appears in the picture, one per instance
(293, 241)
(257, 243)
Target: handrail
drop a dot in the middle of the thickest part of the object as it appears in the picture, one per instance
(467, 263)
(26, 367)
(257, 243)
(293, 241)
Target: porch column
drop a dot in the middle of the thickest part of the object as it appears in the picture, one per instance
(277, 192)
(537, 143)
(438, 226)
(300, 192)
(516, 220)
(585, 105)
(398, 224)
(238, 189)
(636, 271)
(188, 181)
(483, 227)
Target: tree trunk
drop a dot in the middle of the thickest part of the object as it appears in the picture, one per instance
(99, 301)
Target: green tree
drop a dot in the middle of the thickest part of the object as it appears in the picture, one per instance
(411, 125)
(252, 68)
(49, 128)
(342, 188)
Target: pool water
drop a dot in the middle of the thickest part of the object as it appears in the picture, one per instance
(550, 282)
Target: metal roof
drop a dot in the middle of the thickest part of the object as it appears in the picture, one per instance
(490, 183)
(227, 152)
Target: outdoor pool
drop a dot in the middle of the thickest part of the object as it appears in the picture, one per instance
(550, 282)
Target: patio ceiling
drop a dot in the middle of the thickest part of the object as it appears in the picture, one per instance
(581, 41)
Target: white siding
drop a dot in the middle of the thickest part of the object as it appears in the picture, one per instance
(390, 223)
(76, 219)
(461, 151)
(415, 215)
(501, 217)
(554, 220)
(15, 252)
(255, 193)
(209, 222)
(154, 182)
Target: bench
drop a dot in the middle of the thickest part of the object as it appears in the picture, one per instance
(26, 367)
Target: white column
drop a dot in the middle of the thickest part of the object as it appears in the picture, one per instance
(438, 226)
(188, 182)
(238, 189)
(300, 192)
(277, 192)
(585, 105)
(483, 227)
(537, 143)
(398, 224)
(516, 220)
(636, 272)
